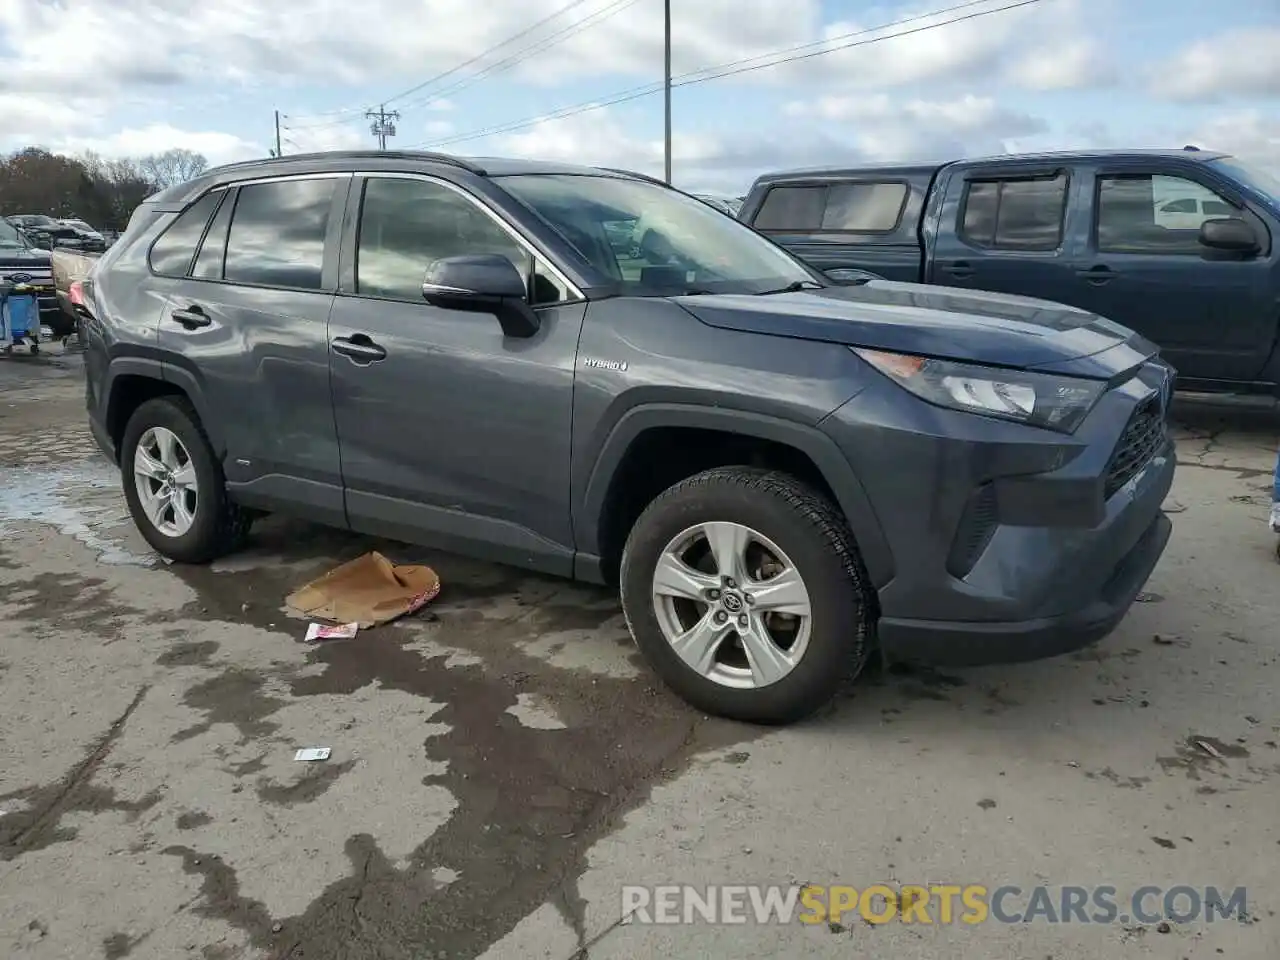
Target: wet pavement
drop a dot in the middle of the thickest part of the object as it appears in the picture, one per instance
(502, 763)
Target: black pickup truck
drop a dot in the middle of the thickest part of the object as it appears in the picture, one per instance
(1179, 245)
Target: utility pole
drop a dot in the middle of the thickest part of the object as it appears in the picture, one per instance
(278, 133)
(666, 5)
(382, 127)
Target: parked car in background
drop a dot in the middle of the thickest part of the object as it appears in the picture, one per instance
(47, 233)
(71, 270)
(778, 471)
(21, 262)
(727, 205)
(1180, 245)
(93, 236)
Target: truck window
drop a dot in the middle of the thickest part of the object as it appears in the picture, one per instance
(1141, 213)
(864, 207)
(1014, 214)
(835, 208)
(792, 208)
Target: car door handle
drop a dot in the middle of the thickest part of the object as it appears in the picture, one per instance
(359, 348)
(1097, 275)
(959, 269)
(191, 318)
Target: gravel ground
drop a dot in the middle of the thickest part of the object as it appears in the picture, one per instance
(502, 764)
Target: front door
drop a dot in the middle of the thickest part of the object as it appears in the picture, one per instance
(1212, 315)
(247, 327)
(451, 432)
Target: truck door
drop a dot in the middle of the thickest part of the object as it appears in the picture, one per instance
(1006, 228)
(1213, 314)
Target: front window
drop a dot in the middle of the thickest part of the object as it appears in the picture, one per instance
(653, 241)
(1258, 179)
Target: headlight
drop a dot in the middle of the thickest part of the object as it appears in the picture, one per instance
(1039, 399)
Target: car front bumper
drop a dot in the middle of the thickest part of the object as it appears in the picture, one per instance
(1009, 543)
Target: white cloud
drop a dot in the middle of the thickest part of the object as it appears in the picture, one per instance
(156, 138)
(1063, 66)
(1249, 134)
(1241, 63)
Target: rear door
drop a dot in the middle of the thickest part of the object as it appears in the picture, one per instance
(1008, 229)
(1213, 315)
(451, 432)
(246, 322)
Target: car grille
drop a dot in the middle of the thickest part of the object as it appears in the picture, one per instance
(1143, 436)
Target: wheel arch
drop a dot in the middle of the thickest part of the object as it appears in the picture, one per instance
(596, 540)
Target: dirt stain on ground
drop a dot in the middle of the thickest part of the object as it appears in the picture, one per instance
(191, 819)
(531, 802)
(1200, 754)
(188, 654)
(38, 824)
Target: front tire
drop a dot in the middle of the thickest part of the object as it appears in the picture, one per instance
(744, 590)
(174, 485)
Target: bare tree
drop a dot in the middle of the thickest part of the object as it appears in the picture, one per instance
(173, 166)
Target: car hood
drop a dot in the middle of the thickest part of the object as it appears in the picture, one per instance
(945, 322)
(14, 257)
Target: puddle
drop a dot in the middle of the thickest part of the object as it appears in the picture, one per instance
(80, 500)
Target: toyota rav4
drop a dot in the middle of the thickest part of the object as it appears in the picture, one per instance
(780, 474)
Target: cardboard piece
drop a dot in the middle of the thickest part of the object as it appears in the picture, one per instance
(368, 591)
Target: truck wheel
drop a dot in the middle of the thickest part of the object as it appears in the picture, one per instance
(174, 485)
(744, 590)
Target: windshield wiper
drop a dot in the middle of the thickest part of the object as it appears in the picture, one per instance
(795, 286)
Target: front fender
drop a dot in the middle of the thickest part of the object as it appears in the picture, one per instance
(809, 440)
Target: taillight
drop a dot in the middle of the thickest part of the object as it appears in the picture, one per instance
(75, 293)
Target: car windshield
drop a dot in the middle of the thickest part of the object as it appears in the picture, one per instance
(38, 220)
(654, 241)
(79, 225)
(10, 237)
(1258, 179)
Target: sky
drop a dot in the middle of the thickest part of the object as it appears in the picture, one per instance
(875, 79)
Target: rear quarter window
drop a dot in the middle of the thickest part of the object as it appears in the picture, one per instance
(174, 249)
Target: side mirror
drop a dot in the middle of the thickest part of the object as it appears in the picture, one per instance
(1230, 234)
(482, 283)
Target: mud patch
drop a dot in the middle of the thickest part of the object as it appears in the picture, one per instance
(38, 824)
(532, 799)
(234, 697)
(1115, 779)
(318, 779)
(192, 819)
(120, 945)
(1200, 754)
(188, 654)
(92, 607)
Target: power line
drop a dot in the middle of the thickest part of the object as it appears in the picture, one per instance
(453, 70)
(747, 65)
(382, 126)
(532, 50)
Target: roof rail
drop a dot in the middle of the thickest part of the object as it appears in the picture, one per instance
(638, 176)
(355, 155)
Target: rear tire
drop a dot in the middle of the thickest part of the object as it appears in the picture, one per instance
(780, 683)
(217, 526)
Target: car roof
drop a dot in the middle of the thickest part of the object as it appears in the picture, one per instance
(407, 161)
(929, 168)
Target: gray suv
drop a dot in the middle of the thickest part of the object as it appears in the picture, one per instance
(780, 474)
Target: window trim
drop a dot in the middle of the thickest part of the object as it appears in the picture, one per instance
(337, 204)
(535, 253)
(229, 196)
(196, 249)
(826, 186)
(1139, 174)
(1019, 176)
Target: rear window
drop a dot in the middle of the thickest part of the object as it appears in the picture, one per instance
(864, 207)
(1022, 214)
